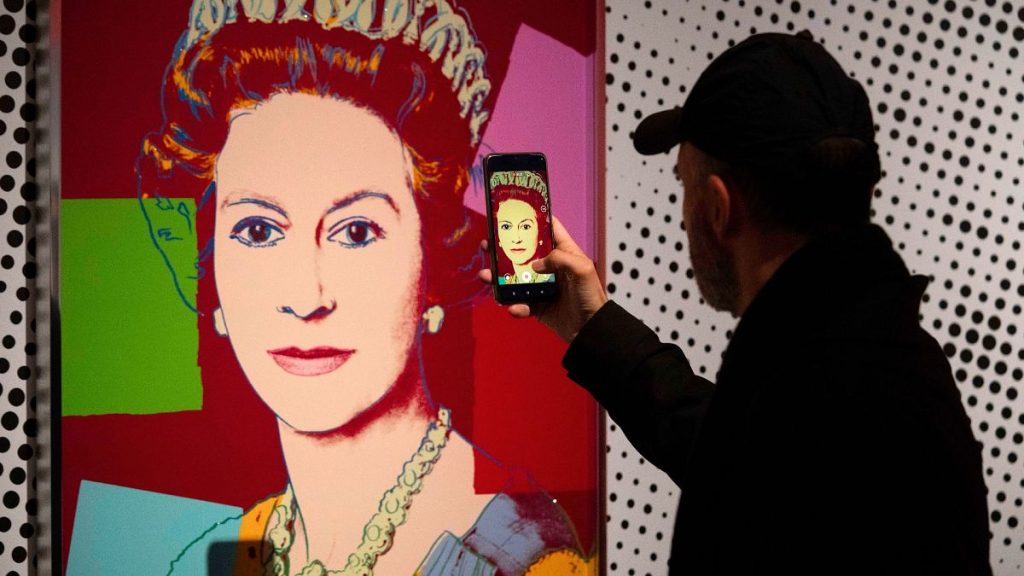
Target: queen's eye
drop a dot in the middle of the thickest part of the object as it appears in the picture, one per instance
(525, 226)
(356, 232)
(257, 232)
(506, 226)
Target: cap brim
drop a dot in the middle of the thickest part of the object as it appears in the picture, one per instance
(659, 132)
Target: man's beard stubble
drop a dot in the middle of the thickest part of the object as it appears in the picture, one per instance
(713, 268)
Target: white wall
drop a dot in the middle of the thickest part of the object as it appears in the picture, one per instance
(18, 425)
(946, 82)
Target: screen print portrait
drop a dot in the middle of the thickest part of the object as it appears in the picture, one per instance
(522, 220)
(334, 244)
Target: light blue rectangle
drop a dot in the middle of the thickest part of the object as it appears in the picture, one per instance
(122, 530)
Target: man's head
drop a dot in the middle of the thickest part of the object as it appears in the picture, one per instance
(706, 207)
(776, 137)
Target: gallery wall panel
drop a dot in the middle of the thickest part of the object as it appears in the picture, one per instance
(946, 80)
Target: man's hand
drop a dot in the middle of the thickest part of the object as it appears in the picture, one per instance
(580, 291)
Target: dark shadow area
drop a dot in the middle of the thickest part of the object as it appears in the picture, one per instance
(228, 557)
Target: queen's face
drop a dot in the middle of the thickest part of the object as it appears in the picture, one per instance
(517, 231)
(318, 257)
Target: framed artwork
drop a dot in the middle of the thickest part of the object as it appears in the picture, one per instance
(275, 356)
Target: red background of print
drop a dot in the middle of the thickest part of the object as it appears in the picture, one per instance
(113, 57)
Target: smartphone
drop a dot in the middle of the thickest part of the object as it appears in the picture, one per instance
(519, 217)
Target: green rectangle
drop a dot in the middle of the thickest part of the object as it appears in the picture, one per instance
(129, 344)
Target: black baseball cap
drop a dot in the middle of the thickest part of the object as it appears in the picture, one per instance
(764, 103)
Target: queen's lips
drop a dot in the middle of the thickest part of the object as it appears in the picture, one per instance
(312, 362)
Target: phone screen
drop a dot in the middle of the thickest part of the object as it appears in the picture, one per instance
(519, 206)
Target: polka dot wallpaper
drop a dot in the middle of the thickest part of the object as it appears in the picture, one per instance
(946, 79)
(18, 191)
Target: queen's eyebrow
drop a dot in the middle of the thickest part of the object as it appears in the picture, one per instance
(259, 202)
(346, 201)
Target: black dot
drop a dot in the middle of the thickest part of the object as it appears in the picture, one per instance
(6, 103)
(29, 112)
(29, 191)
(18, 475)
(5, 444)
(31, 427)
(22, 215)
(9, 421)
(7, 262)
(14, 238)
(28, 33)
(19, 554)
(13, 80)
(6, 24)
(16, 397)
(11, 499)
(21, 135)
(25, 452)
(20, 56)
(7, 182)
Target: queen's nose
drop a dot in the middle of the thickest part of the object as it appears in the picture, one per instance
(307, 299)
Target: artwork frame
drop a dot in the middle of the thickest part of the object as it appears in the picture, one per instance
(92, 424)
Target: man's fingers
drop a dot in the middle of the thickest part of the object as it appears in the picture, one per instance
(485, 276)
(559, 260)
(519, 310)
(483, 245)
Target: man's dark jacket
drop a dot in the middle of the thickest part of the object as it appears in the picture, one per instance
(834, 441)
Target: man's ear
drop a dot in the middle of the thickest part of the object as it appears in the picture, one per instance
(172, 228)
(721, 209)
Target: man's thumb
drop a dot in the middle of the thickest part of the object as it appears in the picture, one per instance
(544, 265)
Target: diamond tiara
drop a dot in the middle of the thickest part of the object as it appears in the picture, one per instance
(439, 30)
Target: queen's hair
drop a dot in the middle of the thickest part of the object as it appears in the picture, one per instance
(244, 61)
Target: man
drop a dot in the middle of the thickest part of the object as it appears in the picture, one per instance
(834, 441)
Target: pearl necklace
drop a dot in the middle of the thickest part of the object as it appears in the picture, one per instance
(378, 533)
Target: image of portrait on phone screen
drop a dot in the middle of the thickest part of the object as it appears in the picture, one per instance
(519, 207)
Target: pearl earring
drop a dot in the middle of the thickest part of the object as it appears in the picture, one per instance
(434, 317)
(218, 322)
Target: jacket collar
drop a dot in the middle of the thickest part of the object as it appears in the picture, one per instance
(849, 285)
